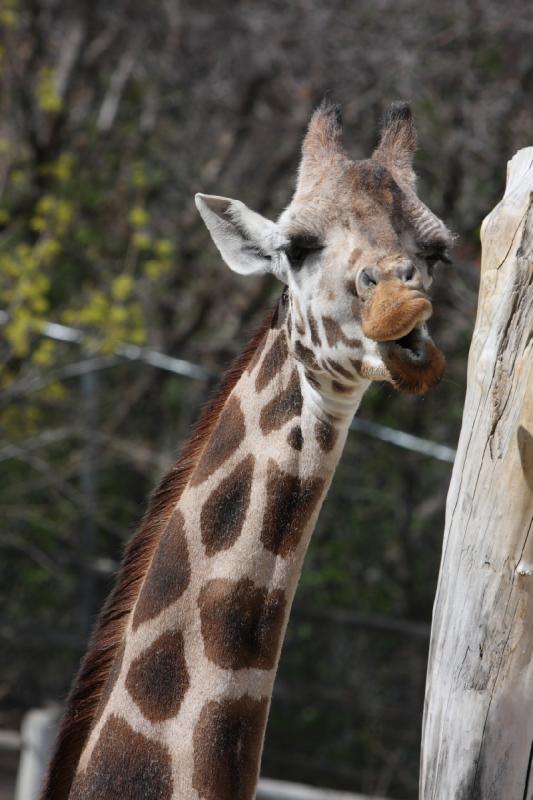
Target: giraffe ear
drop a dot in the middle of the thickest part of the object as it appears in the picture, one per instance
(249, 243)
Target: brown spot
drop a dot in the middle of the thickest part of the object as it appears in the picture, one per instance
(326, 435)
(355, 255)
(326, 367)
(333, 331)
(335, 334)
(241, 624)
(356, 306)
(289, 324)
(272, 362)
(351, 288)
(315, 337)
(158, 679)
(228, 434)
(341, 388)
(124, 764)
(290, 504)
(168, 575)
(225, 509)
(340, 369)
(305, 355)
(282, 408)
(227, 744)
(357, 364)
(311, 379)
(295, 438)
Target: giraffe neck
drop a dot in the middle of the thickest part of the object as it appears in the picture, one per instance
(184, 712)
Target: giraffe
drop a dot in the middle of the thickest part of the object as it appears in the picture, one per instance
(172, 698)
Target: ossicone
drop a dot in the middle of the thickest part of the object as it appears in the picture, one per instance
(324, 134)
(397, 143)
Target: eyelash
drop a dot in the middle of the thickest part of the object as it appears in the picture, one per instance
(433, 260)
(296, 255)
(297, 252)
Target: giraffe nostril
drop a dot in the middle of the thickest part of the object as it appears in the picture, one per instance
(407, 273)
(367, 279)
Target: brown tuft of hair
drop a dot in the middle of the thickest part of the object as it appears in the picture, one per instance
(84, 697)
(414, 379)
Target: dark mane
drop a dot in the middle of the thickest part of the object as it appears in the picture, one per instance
(90, 681)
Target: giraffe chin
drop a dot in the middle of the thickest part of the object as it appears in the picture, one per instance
(414, 363)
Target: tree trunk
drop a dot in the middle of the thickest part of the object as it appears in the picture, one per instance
(477, 738)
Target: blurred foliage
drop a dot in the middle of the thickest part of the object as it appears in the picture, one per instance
(112, 118)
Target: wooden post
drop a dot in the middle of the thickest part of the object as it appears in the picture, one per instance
(477, 738)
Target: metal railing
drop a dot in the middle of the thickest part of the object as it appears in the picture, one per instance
(186, 369)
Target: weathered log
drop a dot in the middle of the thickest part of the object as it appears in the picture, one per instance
(477, 739)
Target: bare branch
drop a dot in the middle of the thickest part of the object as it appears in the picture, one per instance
(117, 83)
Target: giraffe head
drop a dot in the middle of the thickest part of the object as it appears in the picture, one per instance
(356, 248)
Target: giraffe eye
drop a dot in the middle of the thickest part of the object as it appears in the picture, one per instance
(296, 255)
(299, 248)
(434, 255)
(435, 258)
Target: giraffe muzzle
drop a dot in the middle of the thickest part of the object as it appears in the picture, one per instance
(395, 317)
(393, 311)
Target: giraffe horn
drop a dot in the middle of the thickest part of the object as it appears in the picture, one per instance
(324, 134)
(322, 144)
(396, 151)
(397, 144)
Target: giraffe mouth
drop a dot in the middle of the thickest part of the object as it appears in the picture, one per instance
(412, 346)
(413, 361)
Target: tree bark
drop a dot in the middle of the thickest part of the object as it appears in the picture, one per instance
(477, 738)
